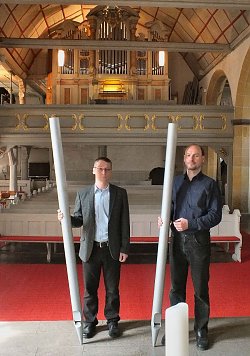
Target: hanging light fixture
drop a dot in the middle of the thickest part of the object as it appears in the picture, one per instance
(61, 58)
(161, 58)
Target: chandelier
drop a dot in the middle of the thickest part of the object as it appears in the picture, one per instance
(112, 15)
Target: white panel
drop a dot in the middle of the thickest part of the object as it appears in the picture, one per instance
(154, 230)
(140, 228)
(36, 228)
(15, 228)
(53, 228)
(226, 228)
(2, 228)
(76, 232)
(214, 231)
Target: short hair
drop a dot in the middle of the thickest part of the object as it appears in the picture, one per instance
(194, 144)
(105, 159)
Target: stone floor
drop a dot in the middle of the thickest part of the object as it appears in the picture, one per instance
(228, 337)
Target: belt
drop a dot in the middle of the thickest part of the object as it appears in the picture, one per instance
(190, 234)
(101, 244)
(184, 234)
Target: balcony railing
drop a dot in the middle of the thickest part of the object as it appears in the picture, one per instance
(110, 123)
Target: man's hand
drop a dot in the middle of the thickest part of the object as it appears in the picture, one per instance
(160, 222)
(59, 215)
(181, 224)
(123, 257)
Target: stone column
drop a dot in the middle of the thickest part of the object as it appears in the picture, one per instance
(51, 165)
(13, 169)
(25, 153)
(22, 91)
(218, 172)
(229, 185)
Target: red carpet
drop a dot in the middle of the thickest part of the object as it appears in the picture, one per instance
(40, 292)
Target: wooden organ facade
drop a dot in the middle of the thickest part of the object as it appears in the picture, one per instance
(100, 76)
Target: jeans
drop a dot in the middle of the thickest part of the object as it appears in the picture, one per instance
(187, 249)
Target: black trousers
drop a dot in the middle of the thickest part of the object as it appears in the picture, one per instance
(191, 250)
(101, 260)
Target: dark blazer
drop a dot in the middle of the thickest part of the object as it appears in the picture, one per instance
(118, 225)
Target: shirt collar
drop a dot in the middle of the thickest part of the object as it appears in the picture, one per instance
(198, 176)
(101, 190)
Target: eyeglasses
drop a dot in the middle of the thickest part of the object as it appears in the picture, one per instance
(103, 169)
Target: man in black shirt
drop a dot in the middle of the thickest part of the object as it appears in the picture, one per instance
(196, 207)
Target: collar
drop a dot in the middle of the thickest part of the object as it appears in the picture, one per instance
(197, 176)
(101, 190)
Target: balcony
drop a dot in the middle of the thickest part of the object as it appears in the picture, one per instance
(135, 123)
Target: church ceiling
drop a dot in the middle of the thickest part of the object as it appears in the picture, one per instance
(182, 25)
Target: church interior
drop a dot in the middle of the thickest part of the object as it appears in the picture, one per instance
(116, 74)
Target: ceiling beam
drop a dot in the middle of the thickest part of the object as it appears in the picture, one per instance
(114, 45)
(215, 4)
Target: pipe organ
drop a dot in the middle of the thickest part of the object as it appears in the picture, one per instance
(86, 72)
(112, 61)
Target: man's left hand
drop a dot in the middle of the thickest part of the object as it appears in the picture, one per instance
(181, 224)
(123, 257)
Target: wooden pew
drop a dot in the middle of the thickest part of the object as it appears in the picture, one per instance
(143, 230)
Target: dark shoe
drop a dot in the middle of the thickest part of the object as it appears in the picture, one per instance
(163, 340)
(89, 330)
(202, 340)
(113, 329)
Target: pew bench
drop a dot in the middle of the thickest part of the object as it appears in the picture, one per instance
(48, 240)
(53, 240)
(143, 229)
(225, 241)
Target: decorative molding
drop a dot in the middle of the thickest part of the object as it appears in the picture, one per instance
(148, 120)
(126, 120)
(139, 124)
(46, 126)
(178, 118)
(223, 122)
(78, 122)
(22, 122)
(120, 123)
(127, 126)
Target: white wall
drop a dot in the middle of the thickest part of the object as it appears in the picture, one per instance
(127, 160)
(39, 155)
(140, 158)
(130, 163)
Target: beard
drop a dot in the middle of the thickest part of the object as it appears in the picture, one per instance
(193, 167)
